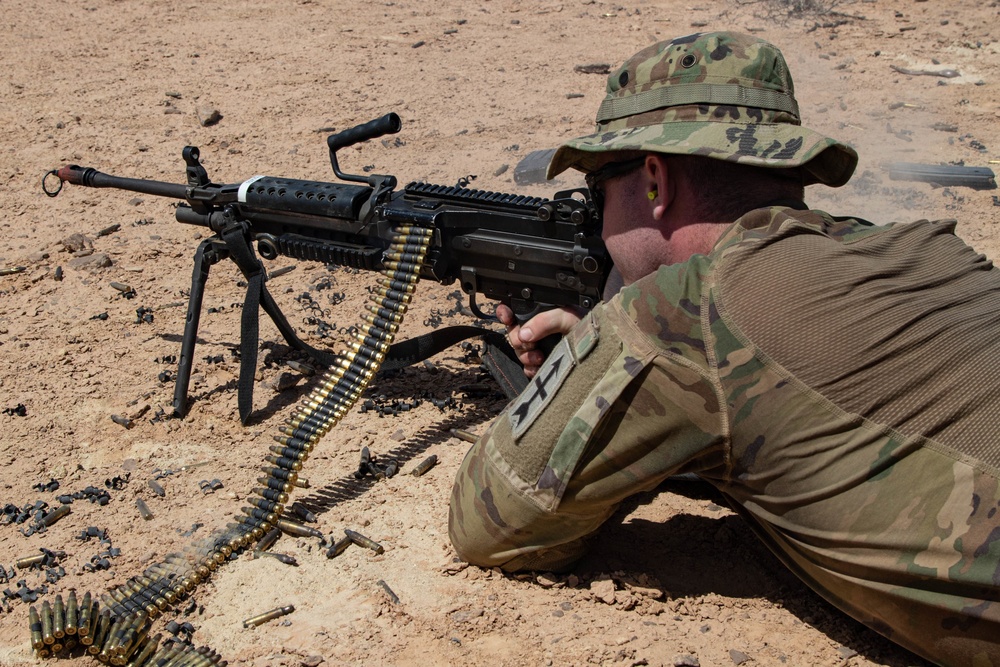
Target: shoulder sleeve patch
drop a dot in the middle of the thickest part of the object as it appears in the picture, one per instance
(573, 348)
(541, 389)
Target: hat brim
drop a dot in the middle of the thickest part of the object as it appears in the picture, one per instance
(774, 145)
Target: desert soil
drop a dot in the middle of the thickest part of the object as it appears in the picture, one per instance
(677, 579)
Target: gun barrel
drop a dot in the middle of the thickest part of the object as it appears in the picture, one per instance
(91, 178)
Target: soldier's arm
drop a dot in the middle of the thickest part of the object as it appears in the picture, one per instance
(608, 415)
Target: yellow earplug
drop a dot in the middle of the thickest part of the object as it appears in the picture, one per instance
(652, 194)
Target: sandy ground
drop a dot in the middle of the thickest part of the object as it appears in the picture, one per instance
(678, 580)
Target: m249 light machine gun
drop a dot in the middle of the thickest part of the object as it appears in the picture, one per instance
(530, 253)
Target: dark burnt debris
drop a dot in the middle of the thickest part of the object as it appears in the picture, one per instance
(18, 410)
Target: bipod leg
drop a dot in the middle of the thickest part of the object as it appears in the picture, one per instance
(210, 251)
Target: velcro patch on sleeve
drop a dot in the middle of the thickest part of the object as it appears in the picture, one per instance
(550, 377)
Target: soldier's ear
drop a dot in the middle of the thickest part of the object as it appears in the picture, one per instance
(659, 186)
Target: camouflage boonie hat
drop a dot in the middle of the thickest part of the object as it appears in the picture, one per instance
(722, 95)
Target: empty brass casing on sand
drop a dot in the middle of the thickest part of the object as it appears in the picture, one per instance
(277, 612)
(338, 547)
(296, 528)
(425, 465)
(363, 541)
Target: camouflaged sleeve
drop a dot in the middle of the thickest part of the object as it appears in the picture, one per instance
(611, 413)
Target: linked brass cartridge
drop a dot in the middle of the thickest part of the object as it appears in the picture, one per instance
(35, 626)
(59, 618)
(46, 617)
(72, 614)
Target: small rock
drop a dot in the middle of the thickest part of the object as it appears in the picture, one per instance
(98, 260)
(38, 256)
(548, 580)
(208, 115)
(846, 652)
(738, 657)
(593, 68)
(285, 381)
(76, 242)
(398, 436)
(686, 661)
(312, 661)
(603, 589)
(466, 615)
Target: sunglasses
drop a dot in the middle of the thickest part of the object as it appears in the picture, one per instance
(611, 170)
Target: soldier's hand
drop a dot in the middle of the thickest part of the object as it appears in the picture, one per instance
(524, 338)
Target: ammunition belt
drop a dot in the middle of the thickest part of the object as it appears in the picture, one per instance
(116, 629)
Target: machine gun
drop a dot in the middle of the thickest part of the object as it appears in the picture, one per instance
(530, 253)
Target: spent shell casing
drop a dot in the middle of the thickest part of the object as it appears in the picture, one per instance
(46, 618)
(156, 488)
(300, 367)
(277, 612)
(268, 540)
(464, 435)
(425, 465)
(281, 558)
(121, 287)
(122, 421)
(388, 591)
(375, 471)
(280, 271)
(59, 618)
(297, 529)
(55, 515)
(143, 508)
(363, 541)
(11, 270)
(35, 625)
(72, 614)
(339, 547)
(30, 561)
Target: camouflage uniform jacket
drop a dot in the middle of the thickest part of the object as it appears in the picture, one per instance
(838, 381)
